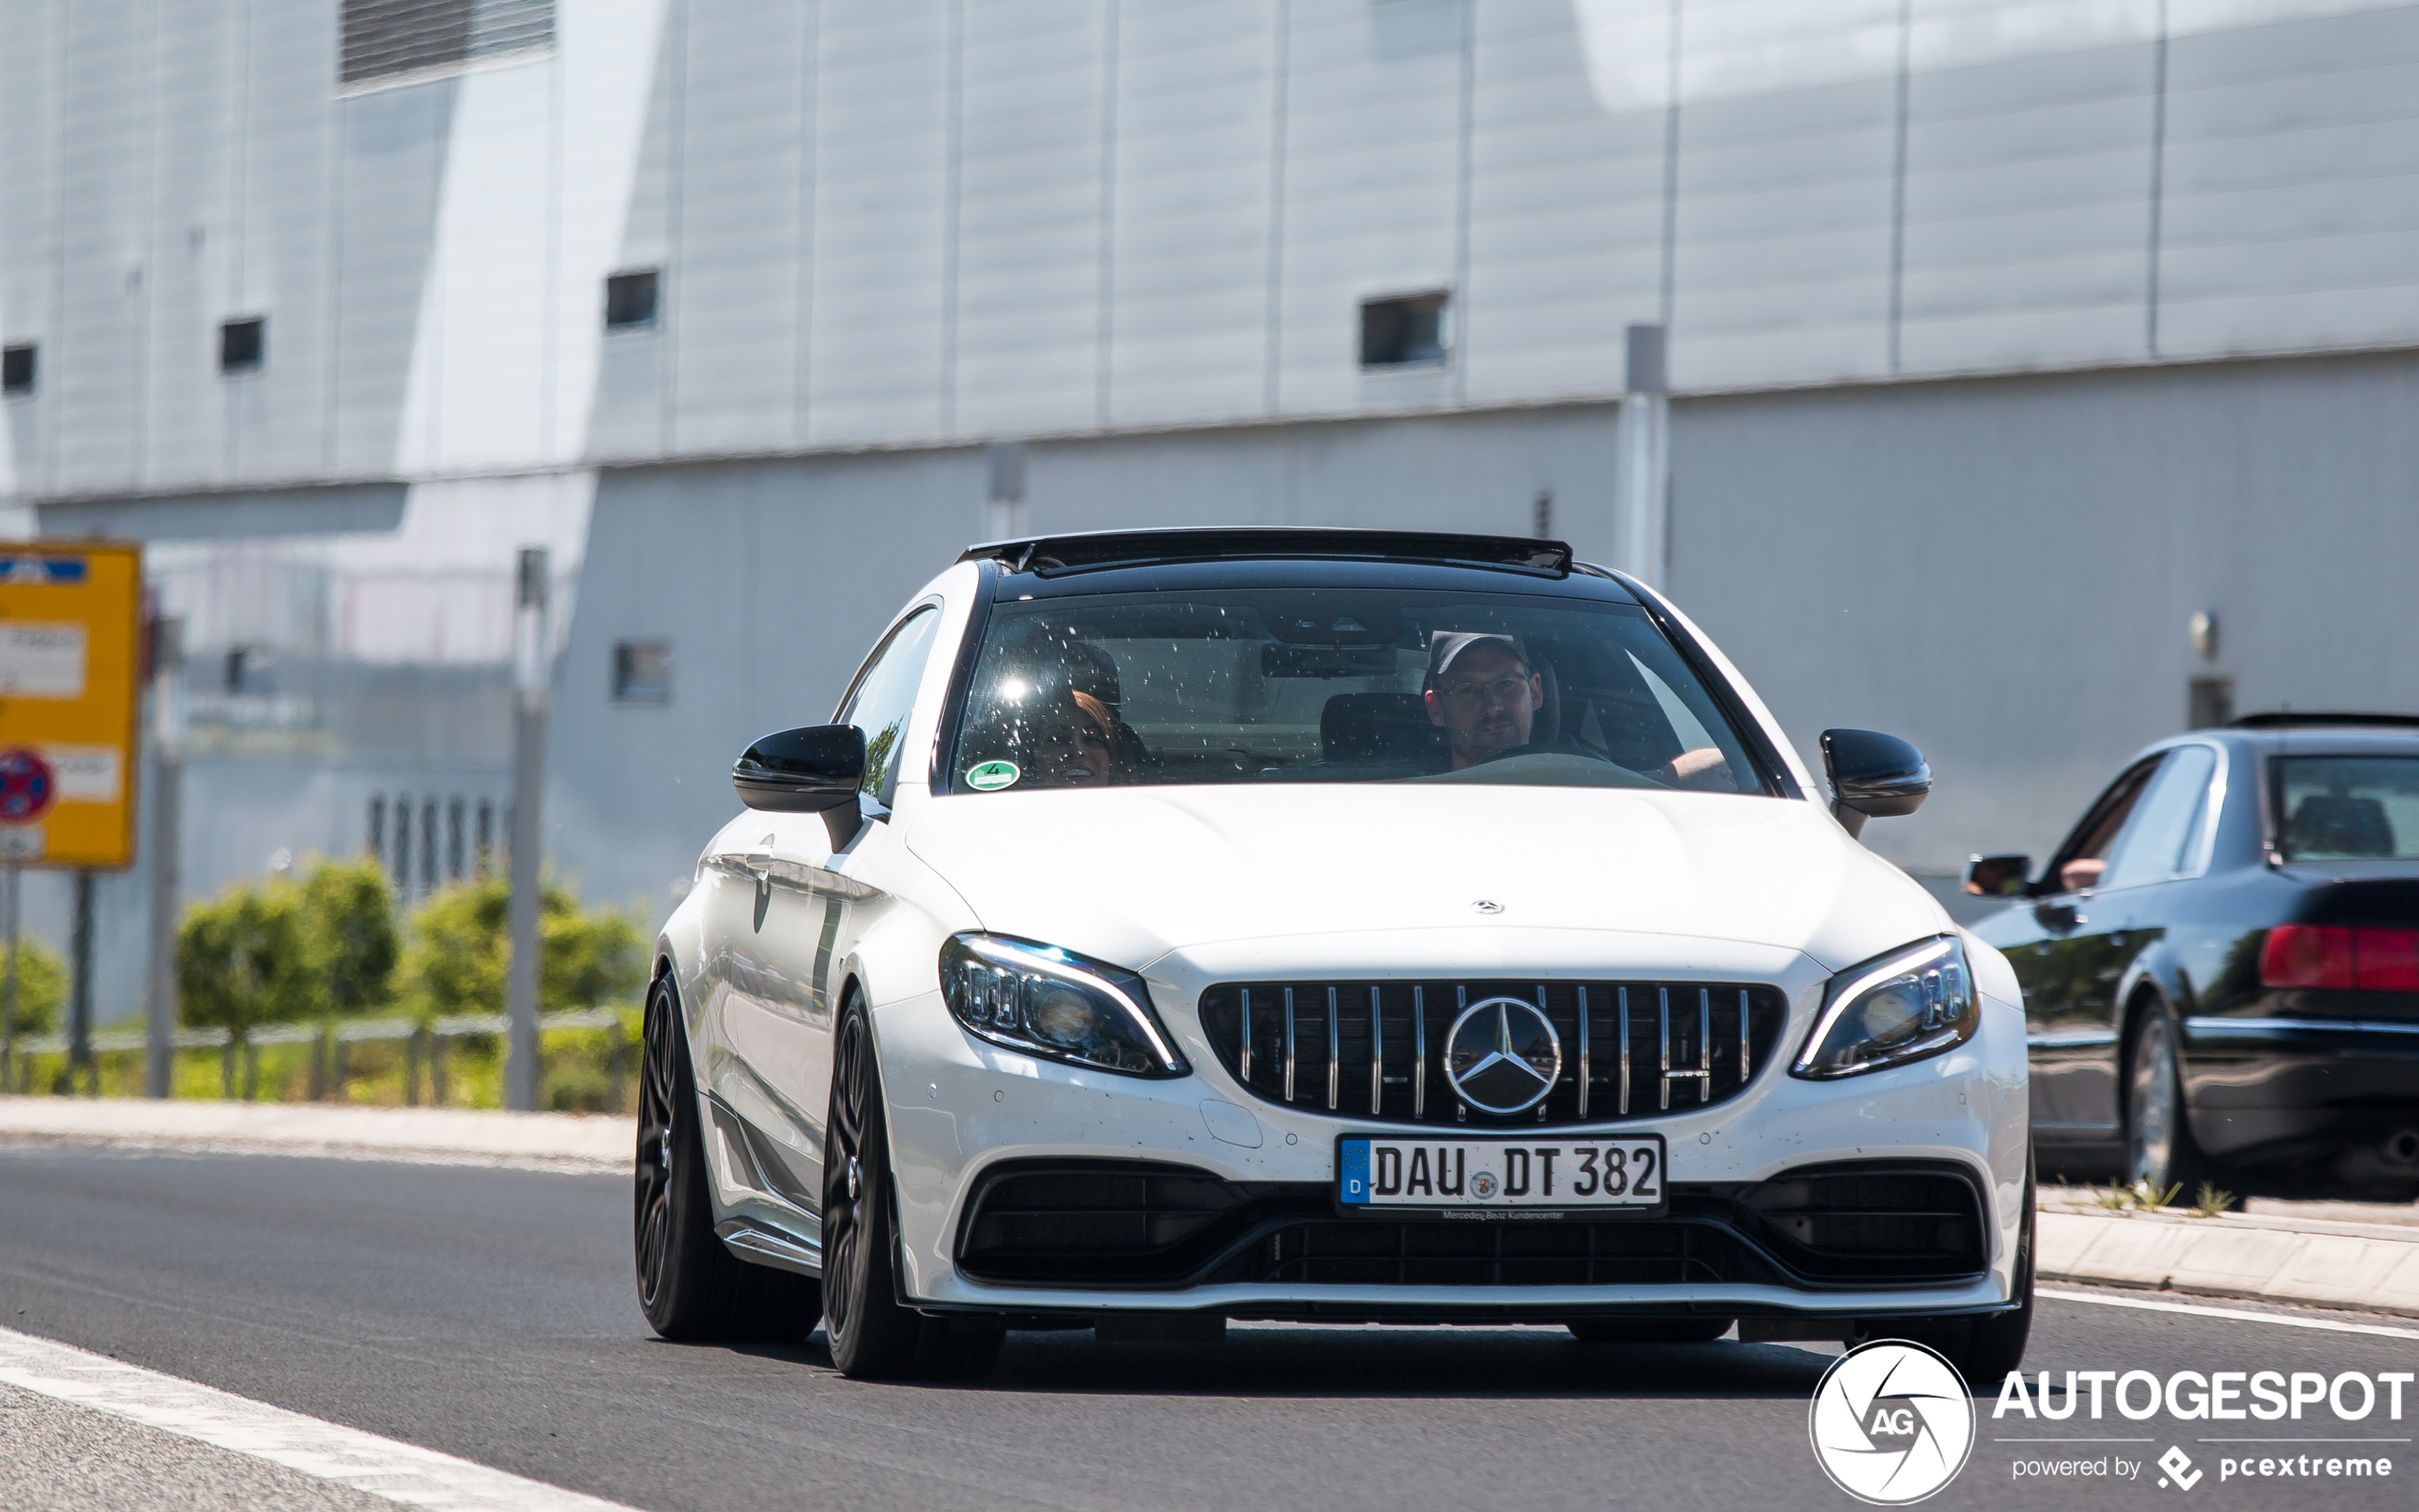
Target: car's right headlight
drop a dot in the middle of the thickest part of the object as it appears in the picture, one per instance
(1048, 1002)
(1903, 1006)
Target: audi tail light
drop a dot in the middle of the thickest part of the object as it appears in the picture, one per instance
(2340, 958)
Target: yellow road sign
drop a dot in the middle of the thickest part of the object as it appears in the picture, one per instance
(70, 699)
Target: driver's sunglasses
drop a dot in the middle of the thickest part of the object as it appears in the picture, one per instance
(1501, 690)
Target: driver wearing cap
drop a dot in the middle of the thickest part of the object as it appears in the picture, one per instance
(1483, 695)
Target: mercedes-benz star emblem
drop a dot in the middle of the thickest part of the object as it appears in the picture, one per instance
(1488, 906)
(1502, 1055)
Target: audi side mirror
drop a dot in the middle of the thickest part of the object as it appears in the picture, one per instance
(815, 770)
(1873, 776)
(1998, 876)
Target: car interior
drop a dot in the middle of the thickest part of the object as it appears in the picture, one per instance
(1217, 696)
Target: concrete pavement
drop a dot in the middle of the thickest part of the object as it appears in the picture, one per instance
(570, 1142)
(2283, 1256)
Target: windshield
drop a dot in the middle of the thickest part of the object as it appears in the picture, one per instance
(1360, 684)
(2347, 808)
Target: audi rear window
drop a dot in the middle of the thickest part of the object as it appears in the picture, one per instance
(2347, 808)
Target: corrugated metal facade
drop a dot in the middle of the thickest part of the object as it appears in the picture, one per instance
(908, 221)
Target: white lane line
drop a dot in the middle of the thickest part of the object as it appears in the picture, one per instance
(384, 1468)
(2324, 1324)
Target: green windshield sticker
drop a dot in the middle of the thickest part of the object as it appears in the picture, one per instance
(992, 774)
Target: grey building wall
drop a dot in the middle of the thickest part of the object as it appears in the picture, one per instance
(2004, 570)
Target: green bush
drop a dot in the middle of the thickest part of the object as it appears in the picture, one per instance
(348, 917)
(42, 985)
(456, 958)
(245, 957)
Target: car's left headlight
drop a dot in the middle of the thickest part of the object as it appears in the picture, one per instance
(1048, 1002)
(1893, 1010)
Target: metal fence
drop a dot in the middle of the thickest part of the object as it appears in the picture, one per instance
(428, 1048)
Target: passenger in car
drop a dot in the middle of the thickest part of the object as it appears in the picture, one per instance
(1056, 716)
(1079, 742)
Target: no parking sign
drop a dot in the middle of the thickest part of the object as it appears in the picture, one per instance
(28, 786)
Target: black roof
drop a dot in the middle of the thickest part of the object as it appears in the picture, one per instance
(2321, 734)
(1113, 549)
(2295, 720)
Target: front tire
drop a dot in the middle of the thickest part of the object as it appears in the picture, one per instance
(873, 1336)
(690, 1287)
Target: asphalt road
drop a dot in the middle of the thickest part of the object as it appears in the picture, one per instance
(489, 1314)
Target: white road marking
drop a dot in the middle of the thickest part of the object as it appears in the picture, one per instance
(384, 1468)
(2324, 1324)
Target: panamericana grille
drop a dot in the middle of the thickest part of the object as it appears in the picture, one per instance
(1376, 1050)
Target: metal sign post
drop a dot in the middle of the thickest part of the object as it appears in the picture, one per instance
(8, 983)
(1643, 439)
(80, 1001)
(532, 669)
(168, 754)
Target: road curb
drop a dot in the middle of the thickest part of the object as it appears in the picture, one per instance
(2231, 1256)
(546, 1141)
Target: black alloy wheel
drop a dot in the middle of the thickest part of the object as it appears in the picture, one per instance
(873, 1336)
(1983, 1348)
(2158, 1142)
(691, 1286)
(1647, 1330)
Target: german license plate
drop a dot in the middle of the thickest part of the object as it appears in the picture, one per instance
(1374, 1171)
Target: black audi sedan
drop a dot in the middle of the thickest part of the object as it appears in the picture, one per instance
(2221, 963)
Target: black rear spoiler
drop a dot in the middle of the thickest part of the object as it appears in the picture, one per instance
(1107, 549)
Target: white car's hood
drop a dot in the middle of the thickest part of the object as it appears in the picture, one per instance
(1128, 875)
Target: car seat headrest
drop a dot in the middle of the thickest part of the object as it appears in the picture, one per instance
(1386, 729)
(2328, 824)
(1545, 728)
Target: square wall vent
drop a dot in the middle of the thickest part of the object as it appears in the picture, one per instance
(1407, 330)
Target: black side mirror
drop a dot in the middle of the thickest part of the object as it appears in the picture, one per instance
(1997, 876)
(1873, 776)
(813, 770)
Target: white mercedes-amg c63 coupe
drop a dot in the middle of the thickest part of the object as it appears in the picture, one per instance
(1183, 926)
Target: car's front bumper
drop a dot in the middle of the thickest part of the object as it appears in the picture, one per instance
(958, 1106)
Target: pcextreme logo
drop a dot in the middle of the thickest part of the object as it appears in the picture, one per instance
(1891, 1422)
(2178, 1467)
